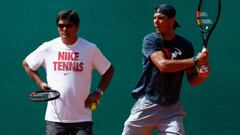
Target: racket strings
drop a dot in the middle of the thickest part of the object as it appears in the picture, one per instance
(208, 14)
(44, 96)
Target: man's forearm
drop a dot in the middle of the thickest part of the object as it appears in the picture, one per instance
(32, 74)
(106, 78)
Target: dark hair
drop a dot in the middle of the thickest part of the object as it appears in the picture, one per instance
(70, 15)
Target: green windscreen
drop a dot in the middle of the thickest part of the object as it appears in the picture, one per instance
(117, 27)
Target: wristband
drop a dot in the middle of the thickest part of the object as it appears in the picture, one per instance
(195, 60)
(99, 90)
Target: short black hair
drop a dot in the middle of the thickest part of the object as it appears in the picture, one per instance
(70, 15)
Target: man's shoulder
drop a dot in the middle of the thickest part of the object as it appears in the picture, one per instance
(47, 44)
(52, 41)
(152, 35)
(152, 38)
(85, 42)
(57, 39)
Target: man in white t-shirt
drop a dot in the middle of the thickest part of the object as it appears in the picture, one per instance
(69, 61)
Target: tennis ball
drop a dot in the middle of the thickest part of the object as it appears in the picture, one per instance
(93, 106)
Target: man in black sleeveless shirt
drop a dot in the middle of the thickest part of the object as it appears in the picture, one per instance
(166, 57)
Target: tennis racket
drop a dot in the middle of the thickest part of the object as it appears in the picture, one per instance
(208, 14)
(44, 95)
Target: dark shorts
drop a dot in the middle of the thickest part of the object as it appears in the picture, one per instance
(80, 128)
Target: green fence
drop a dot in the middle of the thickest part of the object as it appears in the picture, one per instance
(118, 27)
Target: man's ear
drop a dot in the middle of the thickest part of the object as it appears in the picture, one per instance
(78, 25)
(173, 20)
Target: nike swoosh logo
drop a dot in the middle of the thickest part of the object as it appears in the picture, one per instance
(66, 73)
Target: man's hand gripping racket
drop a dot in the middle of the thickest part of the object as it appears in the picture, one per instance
(203, 65)
(45, 94)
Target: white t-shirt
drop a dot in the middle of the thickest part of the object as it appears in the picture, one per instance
(68, 70)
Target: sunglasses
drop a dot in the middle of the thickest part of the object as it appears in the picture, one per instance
(70, 25)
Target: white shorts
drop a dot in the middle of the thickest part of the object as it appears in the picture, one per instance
(146, 116)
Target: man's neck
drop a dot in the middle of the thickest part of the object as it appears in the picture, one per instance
(168, 36)
(69, 41)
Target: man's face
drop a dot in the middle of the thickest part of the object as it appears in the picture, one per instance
(162, 23)
(67, 30)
